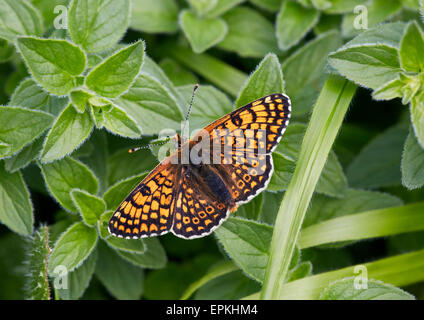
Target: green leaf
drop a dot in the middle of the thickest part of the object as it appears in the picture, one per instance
(179, 75)
(68, 132)
(389, 90)
(25, 156)
(283, 171)
(271, 5)
(377, 12)
(6, 51)
(247, 242)
(89, 206)
(293, 22)
(378, 163)
(209, 104)
(368, 65)
(412, 163)
(56, 75)
(417, 117)
(411, 49)
(30, 95)
(270, 207)
(150, 104)
(79, 279)
(230, 286)
(223, 6)
(19, 127)
(79, 100)
(252, 209)
(303, 270)
(154, 16)
(202, 7)
(66, 174)
(332, 181)
(19, 18)
(115, 75)
(154, 257)
(122, 279)
(48, 12)
(103, 225)
(375, 290)
(343, 6)
(266, 79)
(304, 71)
(202, 33)
(355, 201)
(249, 33)
(37, 282)
(97, 25)
(72, 248)
(128, 245)
(119, 122)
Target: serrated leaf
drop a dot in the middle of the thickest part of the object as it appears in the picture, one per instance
(119, 122)
(368, 65)
(72, 248)
(412, 163)
(66, 174)
(37, 282)
(19, 18)
(25, 156)
(304, 71)
(411, 49)
(68, 132)
(19, 127)
(30, 95)
(417, 117)
(89, 206)
(121, 278)
(154, 257)
(128, 245)
(293, 22)
(247, 242)
(376, 12)
(114, 76)
(97, 25)
(154, 16)
(79, 279)
(346, 289)
(249, 33)
(56, 75)
(266, 79)
(378, 162)
(150, 103)
(79, 100)
(202, 33)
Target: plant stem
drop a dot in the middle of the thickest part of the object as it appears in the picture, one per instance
(323, 127)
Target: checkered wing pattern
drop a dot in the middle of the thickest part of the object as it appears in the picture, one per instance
(147, 210)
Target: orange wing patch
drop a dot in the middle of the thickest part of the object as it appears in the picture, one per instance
(147, 210)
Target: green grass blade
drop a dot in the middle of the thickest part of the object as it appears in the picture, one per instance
(219, 73)
(325, 122)
(400, 270)
(365, 225)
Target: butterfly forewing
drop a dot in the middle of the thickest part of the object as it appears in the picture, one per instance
(148, 209)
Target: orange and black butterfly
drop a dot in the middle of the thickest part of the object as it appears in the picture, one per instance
(192, 198)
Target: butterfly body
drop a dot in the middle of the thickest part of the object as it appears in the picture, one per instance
(192, 191)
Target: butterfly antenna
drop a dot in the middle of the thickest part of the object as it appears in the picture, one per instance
(132, 150)
(196, 86)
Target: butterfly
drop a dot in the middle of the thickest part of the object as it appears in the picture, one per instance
(192, 198)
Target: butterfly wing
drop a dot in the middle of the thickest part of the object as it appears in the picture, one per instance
(147, 210)
(248, 136)
(196, 212)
